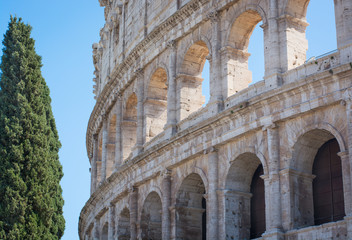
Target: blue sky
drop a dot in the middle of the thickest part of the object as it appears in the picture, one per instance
(64, 32)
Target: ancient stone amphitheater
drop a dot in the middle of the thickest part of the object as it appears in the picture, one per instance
(271, 160)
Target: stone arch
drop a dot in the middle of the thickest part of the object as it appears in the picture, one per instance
(191, 208)
(156, 104)
(251, 12)
(194, 170)
(150, 222)
(235, 53)
(304, 138)
(189, 80)
(238, 195)
(304, 151)
(296, 8)
(129, 125)
(105, 232)
(123, 225)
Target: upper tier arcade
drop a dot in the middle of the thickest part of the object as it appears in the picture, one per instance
(165, 165)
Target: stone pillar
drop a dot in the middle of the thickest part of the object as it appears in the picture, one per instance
(236, 75)
(293, 42)
(212, 203)
(346, 176)
(343, 19)
(140, 112)
(189, 96)
(94, 164)
(272, 185)
(170, 127)
(348, 103)
(111, 230)
(105, 148)
(173, 221)
(118, 143)
(272, 47)
(133, 202)
(166, 189)
(297, 200)
(215, 77)
(96, 234)
(234, 219)
(222, 213)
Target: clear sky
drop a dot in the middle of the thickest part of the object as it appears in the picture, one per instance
(64, 32)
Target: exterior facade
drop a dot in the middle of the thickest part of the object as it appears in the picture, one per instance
(270, 160)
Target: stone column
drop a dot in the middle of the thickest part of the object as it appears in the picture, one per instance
(212, 203)
(166, 189)
(105, 148)
(215, 78)
(140, 112)
(348, 103)
(236, 75)
(111, 230)
(94, 164)
(118, 143)
(293, 42)
(272, 184)
(346, 176)
(96, 234)
(222, 213)
(172, 211)
(133, 202)
(170, 127)
(272, 52)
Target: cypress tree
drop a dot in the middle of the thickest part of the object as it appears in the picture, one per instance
(30, 172)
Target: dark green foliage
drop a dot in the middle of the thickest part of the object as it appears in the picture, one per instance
(30, 193)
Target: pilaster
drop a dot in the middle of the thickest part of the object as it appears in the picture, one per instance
(166, 189)
(215, 77)
(118, 143)
(94, 164)
(272, 184)
(140, 112)
(170, 127)
(212, 200)
(133, 202)
(111, 222)
(104, 149)
(96, 233)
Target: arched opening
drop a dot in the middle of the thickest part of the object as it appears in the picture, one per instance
(105, 232)
(129, 126)
(206, 82)
(156, 104)
(151, 217)
(244, 198)
(317, 168)
(304, 21)
(255, 48)
(123, 225)
(236, 55)
(328, 193)
(191, 209)
(189, 82)
(111, 145)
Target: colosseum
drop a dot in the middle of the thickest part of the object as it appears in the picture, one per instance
(269, 160)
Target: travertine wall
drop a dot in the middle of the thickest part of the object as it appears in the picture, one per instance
(164, 167)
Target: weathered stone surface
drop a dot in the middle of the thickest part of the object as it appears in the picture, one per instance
(165, 167)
